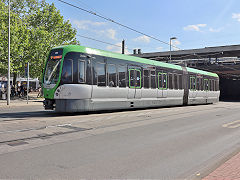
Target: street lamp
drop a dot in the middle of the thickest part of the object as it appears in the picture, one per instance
(172, 38)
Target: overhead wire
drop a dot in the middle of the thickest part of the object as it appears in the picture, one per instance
(115, 22)
(194, 54)
(102, 41)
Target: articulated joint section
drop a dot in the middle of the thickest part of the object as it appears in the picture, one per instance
(49, 104)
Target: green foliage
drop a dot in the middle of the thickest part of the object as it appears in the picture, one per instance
(36, 27)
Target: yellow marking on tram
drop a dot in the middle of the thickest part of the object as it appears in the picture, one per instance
(233, 124)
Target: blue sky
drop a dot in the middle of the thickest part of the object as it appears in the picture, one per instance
(195, 23)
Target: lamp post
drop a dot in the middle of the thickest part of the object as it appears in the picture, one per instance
(172, 38)
(9, 28)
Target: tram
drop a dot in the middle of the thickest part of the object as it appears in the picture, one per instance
(78, 78)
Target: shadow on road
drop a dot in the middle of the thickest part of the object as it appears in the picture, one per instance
(23, 115)
(43, 113)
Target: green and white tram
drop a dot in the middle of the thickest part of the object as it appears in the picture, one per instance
(78, 78)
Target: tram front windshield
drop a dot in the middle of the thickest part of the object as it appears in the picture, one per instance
(52, 70)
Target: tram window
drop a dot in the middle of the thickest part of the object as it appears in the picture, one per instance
(180, 81)
(215, 83)
(122, 76)
(153, 79)
(175, 81)
(164, 80)
(170, 84)
(192, 83)
(112, 75)
(206, 85)
(160, 80)
(198, 84)
(202, 84)
(94, 72)
(67, 75)
(138, 78)
(101, 74)
(81, 71)
(210, 85)
(131, 78)
(146, 78)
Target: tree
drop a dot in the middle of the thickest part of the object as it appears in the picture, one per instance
(36, 27)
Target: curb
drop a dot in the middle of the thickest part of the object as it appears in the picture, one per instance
(230, 170)
(16, 103)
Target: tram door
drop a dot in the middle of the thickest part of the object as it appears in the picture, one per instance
(206, 87)
(162, 84)
(135, 83)
(193, 88)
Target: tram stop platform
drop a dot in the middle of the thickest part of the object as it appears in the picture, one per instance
(22, 101)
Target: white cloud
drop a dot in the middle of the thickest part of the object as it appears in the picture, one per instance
(215, 30)
(196, 27)
(117, 48)
(84, 24)
(236, 16)
(111, 33)
(143, 39)
(159, 48)
(175, 42)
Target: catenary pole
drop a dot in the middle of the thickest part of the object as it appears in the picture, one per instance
(27, 80)
(123, 46)
(9, 28)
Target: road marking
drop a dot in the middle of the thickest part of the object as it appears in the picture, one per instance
(231, 125)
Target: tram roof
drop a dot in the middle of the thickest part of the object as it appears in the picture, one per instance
(83, 49)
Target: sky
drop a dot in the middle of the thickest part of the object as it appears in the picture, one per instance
(195, 23)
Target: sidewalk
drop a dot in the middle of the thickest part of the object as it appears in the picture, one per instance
(230, 170)
(16, 101)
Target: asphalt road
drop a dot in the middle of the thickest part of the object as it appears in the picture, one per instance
(165, 143)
